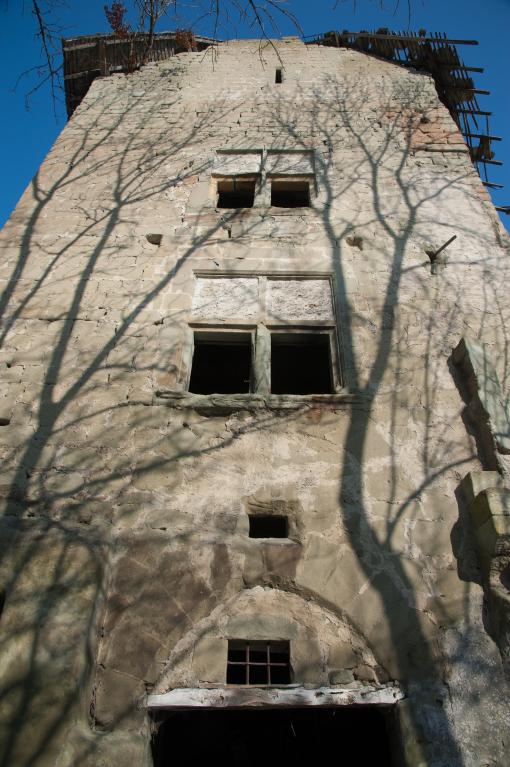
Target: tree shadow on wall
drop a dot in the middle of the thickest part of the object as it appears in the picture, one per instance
(87, 448)
(397, 366)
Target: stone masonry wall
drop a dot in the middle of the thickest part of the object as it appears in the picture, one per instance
(126, 563)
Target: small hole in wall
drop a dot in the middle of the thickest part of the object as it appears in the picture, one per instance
(154, 239)
(278, 78)
(268, 526)
(355, 241)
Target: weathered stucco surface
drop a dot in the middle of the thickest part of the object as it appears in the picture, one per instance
(126, 560)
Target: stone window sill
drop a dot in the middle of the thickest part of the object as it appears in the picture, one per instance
(221, 404)
(273, 541)
(265, 212)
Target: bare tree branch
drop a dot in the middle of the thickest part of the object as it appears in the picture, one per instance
(263, 16)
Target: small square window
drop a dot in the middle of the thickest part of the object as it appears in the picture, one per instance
(258, 663)
(236, 192)
(290, 193)
(221, 363)
(268, 526)
(301, 363)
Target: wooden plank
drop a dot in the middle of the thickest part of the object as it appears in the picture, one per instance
(272, 697)
(78, 47)
(81, 74)
(423, 64)
(482, 135)
(489, 162)
(492, 186)
(474, 112)
(467, 89)
(407, 37)
(460, 67)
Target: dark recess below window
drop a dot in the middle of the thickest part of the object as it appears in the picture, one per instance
(268, 526)
(221, 367)
(275, 738)
(300, 364)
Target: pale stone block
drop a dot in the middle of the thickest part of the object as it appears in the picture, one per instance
(209, 663)
(226, 297)
(294, 300)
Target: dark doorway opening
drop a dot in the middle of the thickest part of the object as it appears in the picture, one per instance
(236, 192)
(221, 363)
(290, 193)
(274, 738)
(268, 526)
(301, 363)
(278, 78)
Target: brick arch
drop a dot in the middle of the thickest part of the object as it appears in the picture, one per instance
(326, 649)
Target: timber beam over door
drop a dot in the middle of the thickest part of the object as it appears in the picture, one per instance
(273, 697)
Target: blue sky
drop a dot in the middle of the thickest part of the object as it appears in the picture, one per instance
(27, 134)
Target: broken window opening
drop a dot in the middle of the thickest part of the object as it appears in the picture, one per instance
(290, 193)
(274, 737)
(221, 363)
(278, 78)
(259, 663)
(301, 363)
(268, 526)
(236, 192)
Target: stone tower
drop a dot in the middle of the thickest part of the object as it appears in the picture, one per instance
(253, 425)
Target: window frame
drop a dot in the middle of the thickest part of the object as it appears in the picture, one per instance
(263, 327)
(254, 178)
(260, 365)
(296, 178)
(213, 332)
(334, 356)
(270, 646)
(264, 176)
(219, 334)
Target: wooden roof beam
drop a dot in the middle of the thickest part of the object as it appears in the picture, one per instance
(482, 135)
(460, 66)
(474, 112)
(406, 38)
(489, 162)
(448, 87)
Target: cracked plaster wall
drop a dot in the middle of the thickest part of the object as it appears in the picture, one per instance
(124, 519)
